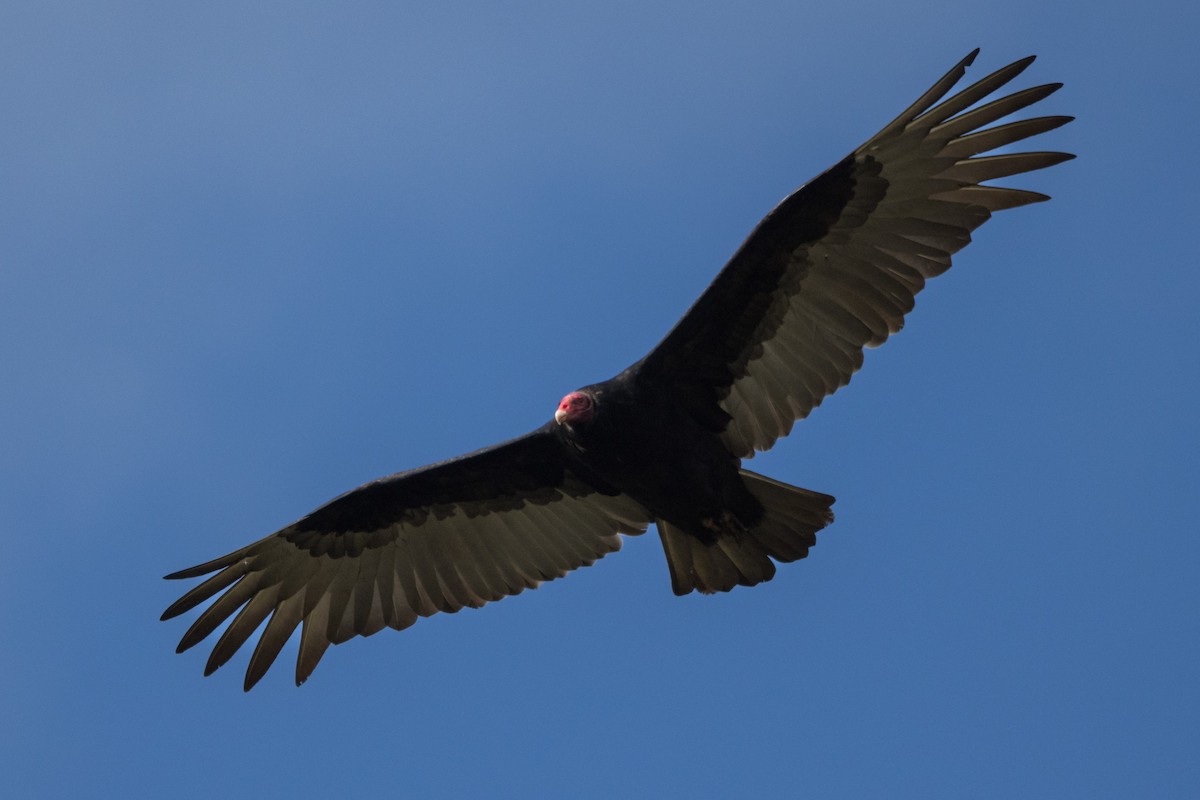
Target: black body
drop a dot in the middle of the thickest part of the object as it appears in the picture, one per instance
(833, 269)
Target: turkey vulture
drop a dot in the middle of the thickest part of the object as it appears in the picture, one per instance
(832, 269)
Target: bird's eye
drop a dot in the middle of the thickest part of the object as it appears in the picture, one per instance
(574, 408)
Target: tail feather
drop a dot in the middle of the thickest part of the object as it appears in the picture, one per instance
(789, 527)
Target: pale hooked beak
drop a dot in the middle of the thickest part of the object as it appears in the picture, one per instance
(574, 408)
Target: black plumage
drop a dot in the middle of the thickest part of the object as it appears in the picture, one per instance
(831, 270)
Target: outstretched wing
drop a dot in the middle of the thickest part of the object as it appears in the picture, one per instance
(836, 266)
(459, 533)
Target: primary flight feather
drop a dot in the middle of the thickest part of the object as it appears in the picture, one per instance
(832, 269)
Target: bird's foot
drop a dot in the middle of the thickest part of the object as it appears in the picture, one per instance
(727, 524)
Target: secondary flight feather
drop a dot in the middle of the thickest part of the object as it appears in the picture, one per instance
(831, 270)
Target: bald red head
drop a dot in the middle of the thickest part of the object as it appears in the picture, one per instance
(575, 408)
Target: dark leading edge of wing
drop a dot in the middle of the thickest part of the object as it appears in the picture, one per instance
(833, 269)
(460, 533)
(836, 266)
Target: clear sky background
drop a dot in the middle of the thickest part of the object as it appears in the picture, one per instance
(254, 254)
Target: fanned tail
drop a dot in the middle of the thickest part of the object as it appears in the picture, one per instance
(789, 528)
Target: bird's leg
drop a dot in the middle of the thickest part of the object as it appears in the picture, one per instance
(727, 524)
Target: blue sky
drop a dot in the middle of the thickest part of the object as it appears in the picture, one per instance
(253, 255)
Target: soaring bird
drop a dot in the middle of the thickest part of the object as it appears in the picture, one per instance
(831, 270)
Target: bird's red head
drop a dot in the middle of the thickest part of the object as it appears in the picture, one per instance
(575, 408)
